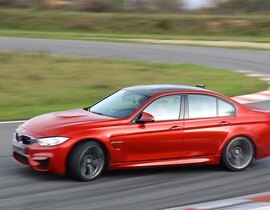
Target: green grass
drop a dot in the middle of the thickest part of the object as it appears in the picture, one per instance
(114, 37)
(123, 27)
(32, 84)
(110, 26)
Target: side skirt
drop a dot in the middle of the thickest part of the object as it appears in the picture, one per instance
(212, 160)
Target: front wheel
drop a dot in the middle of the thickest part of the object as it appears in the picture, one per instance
(86, 161)
(238, 154)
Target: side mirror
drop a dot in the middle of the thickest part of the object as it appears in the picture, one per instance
(145, 117)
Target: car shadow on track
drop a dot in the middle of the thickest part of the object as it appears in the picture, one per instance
(125, 173)
(9, 167)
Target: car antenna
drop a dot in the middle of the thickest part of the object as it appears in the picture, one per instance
(201, 86)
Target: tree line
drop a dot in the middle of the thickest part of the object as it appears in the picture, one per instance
(175, 6)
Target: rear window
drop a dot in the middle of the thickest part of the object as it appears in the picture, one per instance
(204, 106)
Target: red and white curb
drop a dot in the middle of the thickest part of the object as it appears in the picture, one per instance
(255, 97)
(260, 201)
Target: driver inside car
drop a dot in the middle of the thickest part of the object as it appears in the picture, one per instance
(162, 110)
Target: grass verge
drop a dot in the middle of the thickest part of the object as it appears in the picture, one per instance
(118, 37)
(123, 27)
(133, 23)
(32, 84)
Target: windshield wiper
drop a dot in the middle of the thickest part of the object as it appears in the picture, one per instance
(96, 112)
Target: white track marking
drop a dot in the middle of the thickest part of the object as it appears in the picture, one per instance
(12, 122)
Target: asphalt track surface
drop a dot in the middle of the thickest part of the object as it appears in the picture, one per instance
(216, 57)
(156, 188)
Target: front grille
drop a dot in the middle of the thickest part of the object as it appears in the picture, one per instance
(21, 158)
(27, 140)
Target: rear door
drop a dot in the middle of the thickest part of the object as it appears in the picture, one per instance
(207, 122)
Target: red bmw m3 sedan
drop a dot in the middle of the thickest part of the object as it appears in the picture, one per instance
(145, 126)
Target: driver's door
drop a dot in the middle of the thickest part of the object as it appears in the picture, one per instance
(161, 139)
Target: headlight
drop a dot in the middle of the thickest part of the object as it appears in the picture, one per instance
(51, 141)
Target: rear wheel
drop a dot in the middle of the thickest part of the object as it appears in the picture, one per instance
(86, 161)
(238, 154)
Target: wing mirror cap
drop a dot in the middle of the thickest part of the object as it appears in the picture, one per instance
(145, 117)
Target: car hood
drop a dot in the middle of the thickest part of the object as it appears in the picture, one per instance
(56, 123)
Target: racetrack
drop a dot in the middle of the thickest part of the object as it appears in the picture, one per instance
(216, 57)
(23, 188)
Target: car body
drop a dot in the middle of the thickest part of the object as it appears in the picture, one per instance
(145, 126)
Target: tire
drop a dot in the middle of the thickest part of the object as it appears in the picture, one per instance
(238, 154)
(86, 161)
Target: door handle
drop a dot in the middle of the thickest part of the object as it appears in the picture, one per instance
(224, 123)
(176, 127)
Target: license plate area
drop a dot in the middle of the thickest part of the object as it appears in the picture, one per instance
(19, 149)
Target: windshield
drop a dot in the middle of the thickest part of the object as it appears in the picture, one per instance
(120, 104)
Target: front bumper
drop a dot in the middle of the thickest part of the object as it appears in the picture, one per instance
(40, 158)
(38, 163)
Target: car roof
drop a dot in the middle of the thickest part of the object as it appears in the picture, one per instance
(151, 90)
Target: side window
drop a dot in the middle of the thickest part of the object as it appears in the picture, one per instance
(225, 109)
(202, 106)
(165, 108)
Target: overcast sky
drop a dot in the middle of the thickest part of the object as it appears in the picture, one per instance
(194, 4)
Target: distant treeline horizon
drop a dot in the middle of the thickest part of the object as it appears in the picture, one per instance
(149, 6)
